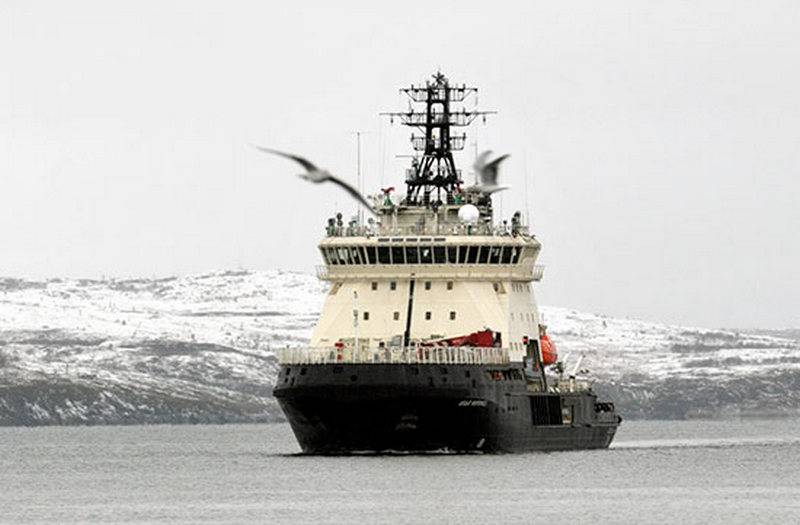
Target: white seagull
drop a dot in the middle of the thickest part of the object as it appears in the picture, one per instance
(317, 175)
(487, 173)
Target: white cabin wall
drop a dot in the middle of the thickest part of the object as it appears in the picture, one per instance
(523, 317)
(476, 304)
(336, 318)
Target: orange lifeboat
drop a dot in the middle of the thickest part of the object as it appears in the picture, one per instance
(549, 353)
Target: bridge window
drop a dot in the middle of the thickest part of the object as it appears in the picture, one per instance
(452, 254)
(397, 255)
(425, 255)
(342, 254)
(437, 254)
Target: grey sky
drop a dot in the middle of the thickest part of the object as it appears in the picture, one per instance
(660, 140)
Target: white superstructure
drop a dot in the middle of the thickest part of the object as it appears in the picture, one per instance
(432, 268)
(421, 274)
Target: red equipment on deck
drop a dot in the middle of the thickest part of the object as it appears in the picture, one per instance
(483, 339)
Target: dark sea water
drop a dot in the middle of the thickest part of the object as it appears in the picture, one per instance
(744, 471)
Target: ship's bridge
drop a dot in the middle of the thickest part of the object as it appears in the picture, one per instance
(456, 256)
(431, 241)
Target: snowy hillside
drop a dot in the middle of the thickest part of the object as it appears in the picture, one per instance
(659, 371)
(198, 349)
(183, 349)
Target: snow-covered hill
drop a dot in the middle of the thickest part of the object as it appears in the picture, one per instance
(199, 349)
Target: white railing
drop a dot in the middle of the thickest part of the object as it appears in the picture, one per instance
(431, 228)
(500, 272)
(444, 355)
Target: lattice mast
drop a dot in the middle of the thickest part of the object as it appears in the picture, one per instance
(435, 170)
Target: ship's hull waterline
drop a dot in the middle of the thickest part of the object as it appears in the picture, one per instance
(388, 408)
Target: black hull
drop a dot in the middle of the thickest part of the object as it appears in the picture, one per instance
(374, 408)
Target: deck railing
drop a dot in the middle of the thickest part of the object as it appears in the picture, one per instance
(445, 355)
(480, 229)
(500, 272)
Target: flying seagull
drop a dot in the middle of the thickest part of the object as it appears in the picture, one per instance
(486, 173)
(317, 175)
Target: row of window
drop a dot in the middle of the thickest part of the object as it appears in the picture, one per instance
(428, 316)
(393, 285)
(497, 286)
(382, 254)
(396, 316)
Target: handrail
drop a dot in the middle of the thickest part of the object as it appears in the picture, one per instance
(444, 355)
(455, 271)
(496, 230)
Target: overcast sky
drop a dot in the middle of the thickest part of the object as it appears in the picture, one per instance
(660, 141)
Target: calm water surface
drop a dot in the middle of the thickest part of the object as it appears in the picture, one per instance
(656, 472)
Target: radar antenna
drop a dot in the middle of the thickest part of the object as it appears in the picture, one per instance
(436, 169)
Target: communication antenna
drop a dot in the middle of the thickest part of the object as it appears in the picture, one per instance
(359, 181)
(434, 109)
(525, 179)
(382, 152)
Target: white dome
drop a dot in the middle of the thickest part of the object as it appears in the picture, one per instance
(469, 214)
